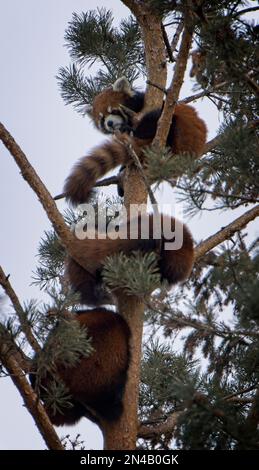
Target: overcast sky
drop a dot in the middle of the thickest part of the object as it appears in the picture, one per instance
(53, 136)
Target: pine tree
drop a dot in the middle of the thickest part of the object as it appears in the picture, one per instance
(207, 395)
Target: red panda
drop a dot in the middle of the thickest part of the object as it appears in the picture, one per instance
(174, 264)
(96, 384)
(187, 134)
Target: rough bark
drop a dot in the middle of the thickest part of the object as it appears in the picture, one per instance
(149, 432)
(226, 232)
(122, 435)
(5, 283)
(155, 52)
(31, 401)
(165, 120)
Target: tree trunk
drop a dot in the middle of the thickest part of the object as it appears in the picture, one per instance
(122, 435)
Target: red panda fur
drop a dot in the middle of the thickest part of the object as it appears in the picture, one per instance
(79, 184)
(187, 134)
(175, 265)
(97, 382)
(188, 130)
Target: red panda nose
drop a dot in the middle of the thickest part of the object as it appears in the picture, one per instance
(110, 123)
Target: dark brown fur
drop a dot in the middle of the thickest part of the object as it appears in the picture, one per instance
(175, 265)
(187, 134)
(97, 382)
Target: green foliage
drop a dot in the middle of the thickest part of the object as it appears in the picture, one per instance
(210, 424)
(196, 9)
(229, 174)
(56, 397)
(221, 328)
(211, 383)
(43, 317)
(162, 165)
(234, 279)
(233, 168)
(92, 39)
(167, 380)
(231, 52)
(76, 89)
(65, 345)
(51, 260)
(137, 274)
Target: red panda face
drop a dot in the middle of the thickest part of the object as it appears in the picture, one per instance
(106, 112)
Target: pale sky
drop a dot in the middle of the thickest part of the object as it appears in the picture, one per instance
(53, 136)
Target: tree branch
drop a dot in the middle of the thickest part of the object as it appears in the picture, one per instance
(177, 321)
(211, 144)
(8, 344)
(252, 83)
(203, 93)
(37, 185)
(226, 232)
(67, 238)
(138, 165)
(167, 44)
(240, 392)
(31, 401)
(252, 419)
(123, 433)
(25, 325)
(203, 401)
(149, 432)
(155, 51)
(177, 35)
(214, 193)
(104, 182)
(246, 10)
(165, 120)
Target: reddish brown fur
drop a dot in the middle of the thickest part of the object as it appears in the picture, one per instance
(190, 131)
(175, 265)
(187, 134)
(89, 169)
(97, 382)
(107, 98)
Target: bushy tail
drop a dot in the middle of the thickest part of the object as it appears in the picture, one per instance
(175, 264)
(89, 169)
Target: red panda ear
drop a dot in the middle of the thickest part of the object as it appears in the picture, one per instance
(123, 85)
(88, 110)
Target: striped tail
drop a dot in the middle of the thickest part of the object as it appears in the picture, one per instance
(79, 184)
